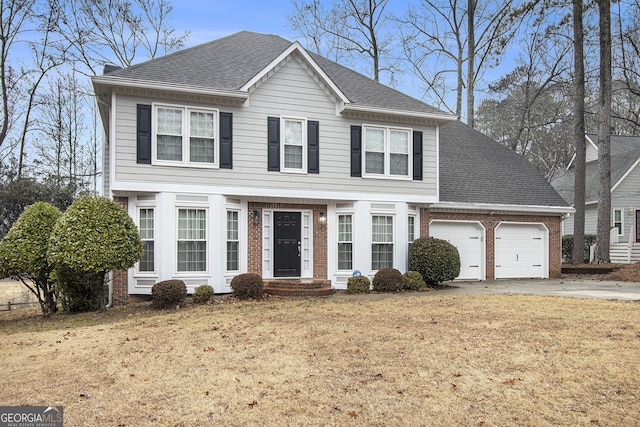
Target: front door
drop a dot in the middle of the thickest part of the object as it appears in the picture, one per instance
(286, 251)
(638, 226)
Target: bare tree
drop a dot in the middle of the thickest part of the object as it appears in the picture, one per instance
(433, 42)
(579, 134)
(346, 27)
(117, 31)
(454, 36)
(604, 133)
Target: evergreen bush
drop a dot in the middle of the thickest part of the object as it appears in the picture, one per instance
(168, 293)
(358, 285)
(247, 286)
(435, 259)
(413, 281)
(387, 280)
(203, 294)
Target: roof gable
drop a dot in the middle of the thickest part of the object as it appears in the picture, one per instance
(625, 155)
(234, 64)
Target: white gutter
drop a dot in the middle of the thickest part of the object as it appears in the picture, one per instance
(504, 208)
(378, 110)
(170, 87)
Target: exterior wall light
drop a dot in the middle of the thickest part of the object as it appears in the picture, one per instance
(323, 218)
(255, 217)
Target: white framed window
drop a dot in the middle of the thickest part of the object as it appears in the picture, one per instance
(185, 136)
(192, 240)
(381, 241)
(345, 242)
(294, 145)
(233, 241)
(411, 228)
(146, 229)
(386, 152)
(618, 221)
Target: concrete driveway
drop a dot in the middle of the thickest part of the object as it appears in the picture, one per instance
(571, 287)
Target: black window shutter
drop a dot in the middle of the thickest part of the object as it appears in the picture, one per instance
(143, 146)
(273, 141)
(226, 140)
(417, 156)
(356, 151)
(313, 146)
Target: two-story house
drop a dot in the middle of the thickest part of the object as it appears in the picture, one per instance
(251, 154)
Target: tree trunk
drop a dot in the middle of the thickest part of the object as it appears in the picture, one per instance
(604, 134)
(471, 11)
(579, 135)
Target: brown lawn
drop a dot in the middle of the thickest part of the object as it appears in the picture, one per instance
(422, 359)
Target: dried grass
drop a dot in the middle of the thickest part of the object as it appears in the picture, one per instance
(418, 360)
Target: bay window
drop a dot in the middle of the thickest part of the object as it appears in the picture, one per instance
(192, 240)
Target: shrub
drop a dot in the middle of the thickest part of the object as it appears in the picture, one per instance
(413, 281)
(567, 246)
(387, 280)
(435, 259)
(203, 294)
(358, 285)
(23, 252)
(168, 293)
(95, 235)
(78, 291)
(247, 286)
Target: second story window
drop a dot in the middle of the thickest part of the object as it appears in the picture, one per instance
(185, 136)
(386, 152)
(293, 144)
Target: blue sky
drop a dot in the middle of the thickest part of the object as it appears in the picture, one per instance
(209, 20)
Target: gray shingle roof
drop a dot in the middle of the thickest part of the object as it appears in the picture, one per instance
(230, 62)
(625, 151)
(476, 169)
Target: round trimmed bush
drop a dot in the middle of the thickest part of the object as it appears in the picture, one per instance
(203, 294)
(168, 293)
(387, 280)
(247, 286)
(435, 259)
(358, 285)
(413, 281)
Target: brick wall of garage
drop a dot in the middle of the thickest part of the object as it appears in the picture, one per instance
(490, 221)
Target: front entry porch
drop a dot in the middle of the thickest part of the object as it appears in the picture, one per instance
(299, 287)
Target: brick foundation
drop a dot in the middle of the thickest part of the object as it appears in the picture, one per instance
(491, 221)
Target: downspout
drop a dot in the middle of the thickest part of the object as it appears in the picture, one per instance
(110, 281)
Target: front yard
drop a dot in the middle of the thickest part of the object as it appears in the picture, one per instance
(424, 359)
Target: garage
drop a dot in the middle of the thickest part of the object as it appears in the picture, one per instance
(521, 251)
(468, 238)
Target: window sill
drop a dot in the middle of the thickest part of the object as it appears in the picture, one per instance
(186, 165)
(387, 177)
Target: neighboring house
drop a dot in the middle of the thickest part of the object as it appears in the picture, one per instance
(251, 154)
(625, 195)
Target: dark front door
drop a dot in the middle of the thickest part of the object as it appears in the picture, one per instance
(638, 226)
(286, 244)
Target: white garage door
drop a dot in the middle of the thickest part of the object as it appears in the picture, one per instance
(467, 237)
(520, 251)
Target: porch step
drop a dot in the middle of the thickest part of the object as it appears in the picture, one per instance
(619, 253)
(298, 288)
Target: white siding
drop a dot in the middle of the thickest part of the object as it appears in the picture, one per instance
(290, 91)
